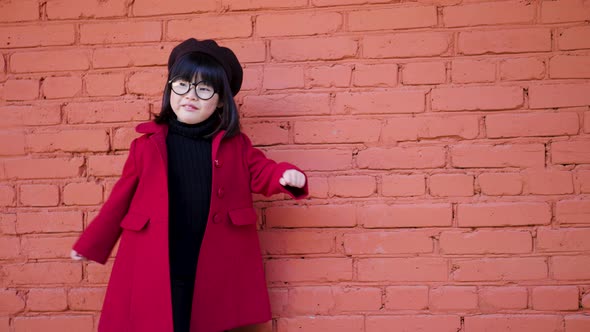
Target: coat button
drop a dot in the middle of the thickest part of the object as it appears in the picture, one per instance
(220, 192)
(217, 218)
(218, 163)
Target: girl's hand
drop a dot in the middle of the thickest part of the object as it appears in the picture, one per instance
(292, 178)
(76, 256)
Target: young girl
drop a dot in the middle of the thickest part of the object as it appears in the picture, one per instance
(189, 258)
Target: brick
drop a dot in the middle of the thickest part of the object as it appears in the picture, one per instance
(406, 298)
(76, 9)
(325, 300)
(12, 143)
(375, 243)
(346, 323)
(565, 11)
(262, 4)
(444, 185)
(310, 269)
(577, 323)
(405, 215)
(494, 299)
(532, 124)
(402, 269)
(296, 242)
(504, 41)
(329, 3)
(286, 105)
(375, 75)
(354, 299)
(574, 38)
(252, 79)
(266, 133)
(316, 159)
(313, 48)
(147, 82)
(559, 95)
(337, 131)
(318, 187)
(10, 246)
(37, 35)
(39, 195)
(311, 216)
(105, 84)
(499, 269)
(329, 76)
(99, 274)
(570, 267)
(407, 45)
(392, 18)
(477, 98)
(40, 61)
(120, 32)
(453, 298)
(500, 184)
(402, 158)
(473, 71)
(41, 273)
(585, 301)
(570, 152)
(248, 51)
(522, 69)
(61, 87)
(543, 182)
(21, 89)
(569, 66)
(419, 127)
(106, 165)
(154, 7)
(572, 211)
(503, 214)
(278, 301)
(226, 26)
(106, 111)
(122, 138)
(12, 302)
(352, 186)
(75, 140)
(403, 185)
(386, 102)
(86, 298)
(7, 196)
(47, 247)
(505, 12)
(486, 242)
(8, 223)
(54, 222)
(22, 10)
(54, 323)
(308, 23)
(112, 57)
(310, 300)
(513, 322)
(555, 298)
(82, 193)
(32, 115)
(582, 179)
(402, 323)
(424, 73)
(490, 156)
(47, 299)
(276, 78)
(586, 123)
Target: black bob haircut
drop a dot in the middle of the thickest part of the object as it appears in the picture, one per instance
(187, 67)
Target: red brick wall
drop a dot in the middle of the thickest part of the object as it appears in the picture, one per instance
(447, 143)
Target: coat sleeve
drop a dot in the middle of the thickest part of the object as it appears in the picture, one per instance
(265, 173)
(99, 238)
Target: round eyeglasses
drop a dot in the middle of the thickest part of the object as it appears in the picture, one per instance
(181, 86)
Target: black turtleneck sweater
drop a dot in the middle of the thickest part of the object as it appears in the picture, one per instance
(189, 193)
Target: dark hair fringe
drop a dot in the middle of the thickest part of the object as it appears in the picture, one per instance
(188, 66)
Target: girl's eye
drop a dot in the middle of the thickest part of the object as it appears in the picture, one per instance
(205, 89)
(182, 83)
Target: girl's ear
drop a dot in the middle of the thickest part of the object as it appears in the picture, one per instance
(219, 104)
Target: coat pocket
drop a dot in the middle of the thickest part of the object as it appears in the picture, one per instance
(134, 222)
(246, 216)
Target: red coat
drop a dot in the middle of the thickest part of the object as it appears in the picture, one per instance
(230, 287)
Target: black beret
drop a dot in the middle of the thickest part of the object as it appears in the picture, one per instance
(223, 55)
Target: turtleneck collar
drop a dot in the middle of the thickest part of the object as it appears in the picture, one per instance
(198, 130)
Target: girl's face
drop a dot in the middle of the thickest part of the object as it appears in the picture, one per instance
(189, 108)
